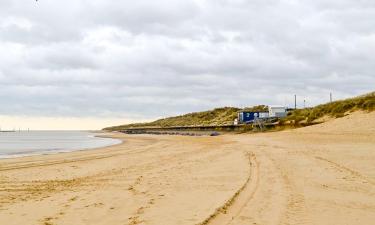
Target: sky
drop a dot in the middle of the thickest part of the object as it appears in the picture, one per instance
(87, 64)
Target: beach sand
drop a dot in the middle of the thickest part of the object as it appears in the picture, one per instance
(323, 174)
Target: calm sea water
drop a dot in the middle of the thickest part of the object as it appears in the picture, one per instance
(17, 144)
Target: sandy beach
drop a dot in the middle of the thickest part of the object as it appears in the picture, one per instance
(323, 174)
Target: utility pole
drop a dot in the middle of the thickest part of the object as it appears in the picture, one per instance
(330, 97)
(304, 103)
(295, 101)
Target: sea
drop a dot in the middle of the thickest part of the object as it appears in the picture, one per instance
(27, 143)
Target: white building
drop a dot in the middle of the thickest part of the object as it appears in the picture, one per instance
(277, 111)
(263, 115)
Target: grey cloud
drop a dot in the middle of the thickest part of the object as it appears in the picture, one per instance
(152, 59)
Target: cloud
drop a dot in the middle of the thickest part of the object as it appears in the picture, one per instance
(144, 60)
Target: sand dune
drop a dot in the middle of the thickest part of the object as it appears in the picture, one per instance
(323, 174)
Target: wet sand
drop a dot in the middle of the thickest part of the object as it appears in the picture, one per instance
(323, 174)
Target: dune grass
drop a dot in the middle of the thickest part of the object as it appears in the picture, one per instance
(216, 117)
(334, 109)
(226, 115)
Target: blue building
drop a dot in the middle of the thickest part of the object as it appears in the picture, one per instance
(248, 117)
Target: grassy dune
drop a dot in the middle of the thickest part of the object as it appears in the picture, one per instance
(226, 115)
(334, 109)
(218, 116)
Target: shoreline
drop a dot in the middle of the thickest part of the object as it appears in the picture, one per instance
(92, 180)
(34, 153)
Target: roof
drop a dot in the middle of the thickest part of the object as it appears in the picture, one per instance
(276, 106)
(253, 111)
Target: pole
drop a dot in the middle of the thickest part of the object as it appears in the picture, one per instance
(295, 101)
(304, 103)
(330, 97)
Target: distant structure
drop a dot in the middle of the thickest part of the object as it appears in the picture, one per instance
(252, 116)
(277, 111)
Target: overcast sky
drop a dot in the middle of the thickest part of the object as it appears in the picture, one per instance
(107, 62)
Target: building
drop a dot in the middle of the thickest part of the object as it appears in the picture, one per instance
(248, 116)
(277, 111)
(274, 111)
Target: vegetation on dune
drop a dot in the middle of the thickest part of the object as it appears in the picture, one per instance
(216, 117)
(219, 116)
(258, 108)
(334, 109)
(226, 115)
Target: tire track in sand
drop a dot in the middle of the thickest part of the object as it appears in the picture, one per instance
(341, 167)
(233, 207)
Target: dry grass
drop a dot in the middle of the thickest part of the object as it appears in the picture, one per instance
(226, 115)
(334, 109)
(216, 117)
